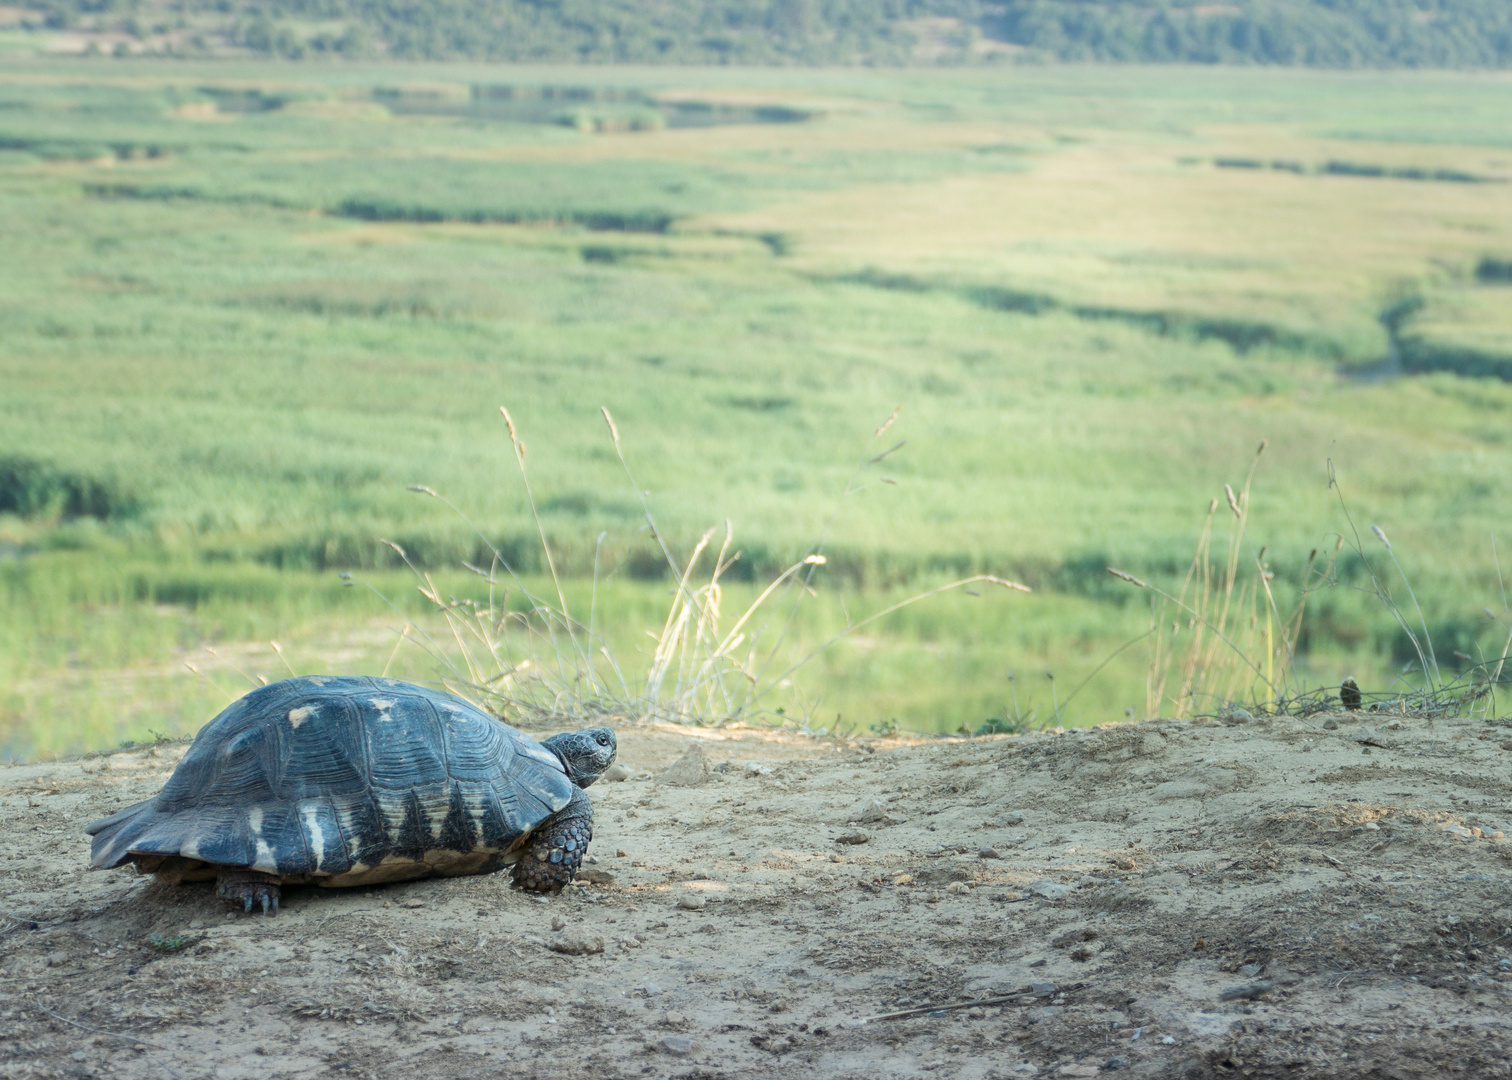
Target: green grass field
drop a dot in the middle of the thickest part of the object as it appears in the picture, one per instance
(243, 307)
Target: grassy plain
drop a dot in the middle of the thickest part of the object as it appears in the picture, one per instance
(242, 307)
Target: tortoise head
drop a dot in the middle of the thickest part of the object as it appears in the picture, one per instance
(586, 754)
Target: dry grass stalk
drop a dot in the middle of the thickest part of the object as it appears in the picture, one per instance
(542, 663)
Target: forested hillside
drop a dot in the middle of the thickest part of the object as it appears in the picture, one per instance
(1324, 33)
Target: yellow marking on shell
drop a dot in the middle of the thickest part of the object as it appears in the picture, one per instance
(265, 860)
(254, 819)
(445, 856)
(435, 819)
(392, 810)
(316, 834)
(382, 704)
(350, 826)
(301, 714)
(190, 848)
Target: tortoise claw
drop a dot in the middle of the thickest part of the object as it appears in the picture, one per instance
(248, 888)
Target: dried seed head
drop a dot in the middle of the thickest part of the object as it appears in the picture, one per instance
(1130, 578)
(887, 423)
(1233, 501)
(1380, 534)
(1349, 693)
(1313, 555)
(1212, 505)
(1005, 583)
(814, 560)
(509, 423)
(613, 431)
(423, 490)
(1261, 448)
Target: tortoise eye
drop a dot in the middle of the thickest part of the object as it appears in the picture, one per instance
(602, 740)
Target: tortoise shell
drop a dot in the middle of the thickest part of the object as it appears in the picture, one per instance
(342, 781)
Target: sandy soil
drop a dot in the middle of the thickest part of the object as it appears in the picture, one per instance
(1269, 899)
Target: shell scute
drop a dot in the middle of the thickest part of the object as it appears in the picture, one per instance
(324, 755)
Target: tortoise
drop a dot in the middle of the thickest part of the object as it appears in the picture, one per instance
(340, 781)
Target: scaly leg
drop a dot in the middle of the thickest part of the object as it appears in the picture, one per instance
(556, 850)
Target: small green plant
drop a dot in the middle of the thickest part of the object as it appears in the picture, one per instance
(173, 943)
(1000, 725)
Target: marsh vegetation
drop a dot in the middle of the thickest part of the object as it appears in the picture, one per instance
(247, 305)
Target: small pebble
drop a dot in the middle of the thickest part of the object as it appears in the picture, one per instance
(412, 902)
(1013, 818)
(676, 1018)
(976, 1012)
(576, 944)
(988, 853)
(620, 853)
(854, 837)
(676, 1045)
(1050, 890)
(557, 922)
(692, 901)
(958, 888)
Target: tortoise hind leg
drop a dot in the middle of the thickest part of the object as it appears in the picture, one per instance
(555, 852)
(243, 888)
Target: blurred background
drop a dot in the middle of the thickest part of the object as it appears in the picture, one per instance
(267, 265)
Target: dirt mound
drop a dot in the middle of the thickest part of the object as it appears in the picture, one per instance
(1330, 898)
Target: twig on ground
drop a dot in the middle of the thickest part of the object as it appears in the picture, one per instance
(1247, 993)
(1015, 998)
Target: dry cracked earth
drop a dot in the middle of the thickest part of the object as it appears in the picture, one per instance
(1283, 898)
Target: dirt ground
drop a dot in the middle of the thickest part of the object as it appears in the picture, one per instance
(1328, 898)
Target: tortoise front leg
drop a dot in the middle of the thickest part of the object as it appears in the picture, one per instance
(242, 888)
(555, 851)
